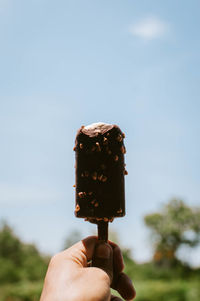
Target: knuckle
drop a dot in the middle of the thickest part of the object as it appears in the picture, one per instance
(54, 259)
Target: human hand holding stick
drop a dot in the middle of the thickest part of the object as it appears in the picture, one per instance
(70, 276)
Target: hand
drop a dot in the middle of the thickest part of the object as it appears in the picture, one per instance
(71, 278)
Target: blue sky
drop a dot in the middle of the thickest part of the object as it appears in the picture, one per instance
(64, 64)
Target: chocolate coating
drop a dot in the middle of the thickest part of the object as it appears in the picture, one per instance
(100, 172)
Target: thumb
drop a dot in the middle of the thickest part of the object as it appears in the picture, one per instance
(103, 258)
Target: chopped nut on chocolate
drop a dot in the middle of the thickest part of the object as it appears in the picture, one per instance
(123, 135)
(74, 186)
(94, 176)
(98, 146)
(81, 194)
(100, 177)
(104, 179)
(86, 173)
(116, 157)
(81, 145)
(119, 138)
(125, 172)
(123, 150)
(96, 204)
(90, 193)
(77, 208)
(105, 140)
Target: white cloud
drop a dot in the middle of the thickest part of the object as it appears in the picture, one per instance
(149, 28)
(11, 194)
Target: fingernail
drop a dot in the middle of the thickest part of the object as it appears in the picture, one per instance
(103, 251)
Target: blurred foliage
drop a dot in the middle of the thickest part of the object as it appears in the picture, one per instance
(156, 290)
(23, 267)
(149, 270)
(177, 290)
(22, 291)
(19, 261)
(154, 283)
(176, 225)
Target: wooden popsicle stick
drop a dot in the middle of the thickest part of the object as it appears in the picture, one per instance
(102, 231)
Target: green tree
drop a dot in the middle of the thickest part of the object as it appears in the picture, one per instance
(177, 224)
(19, 261)
(10, 245)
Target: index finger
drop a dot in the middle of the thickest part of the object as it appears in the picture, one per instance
(81, 252)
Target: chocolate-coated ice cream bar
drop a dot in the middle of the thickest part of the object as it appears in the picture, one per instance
(100, 170)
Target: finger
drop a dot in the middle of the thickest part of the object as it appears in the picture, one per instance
(103, 258)
(125, 287)
(117, 258)
(81, 252)
(114, 298)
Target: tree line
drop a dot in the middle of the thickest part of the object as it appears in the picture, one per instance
(23, 267)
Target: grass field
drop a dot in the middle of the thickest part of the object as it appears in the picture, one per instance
(152, 290)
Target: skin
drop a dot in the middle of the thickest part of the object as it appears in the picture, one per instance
(70, 276)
